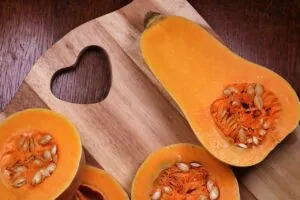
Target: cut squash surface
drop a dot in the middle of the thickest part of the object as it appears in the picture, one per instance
(195, 68)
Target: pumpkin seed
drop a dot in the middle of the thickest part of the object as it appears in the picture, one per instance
(250, 89)
(19, 182)
(51, 167)
(167, 189)
(45, 139)
(259, 89)
(233, 89)
(183, 167)
(25, 145)
(255, 140)
(156, 195)
(242, 145)
(47, 155)
(54, 149)
(31, 144)
(262, 132)
(227, 92)
(37, 178)
(214, 193)
(21, 169)
(195, 164)
(223, 113)
(261, 121)
(258, 102)
(242, 135)
(6, 172)
(202, 197)
(16, 175)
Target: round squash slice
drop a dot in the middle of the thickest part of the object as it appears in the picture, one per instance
(99, 185)
(238, 110)
(41, 156)
(184, 172)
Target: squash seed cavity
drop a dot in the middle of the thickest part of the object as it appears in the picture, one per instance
(246, 113)
(28, 159)
(185, 181)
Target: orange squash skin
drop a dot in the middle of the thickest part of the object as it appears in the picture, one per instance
(64, 181)
(105, 184)
(194, 68)
(183, 152)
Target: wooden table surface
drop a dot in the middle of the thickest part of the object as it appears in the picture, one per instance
(266, 33)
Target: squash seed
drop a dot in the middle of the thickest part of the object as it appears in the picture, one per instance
(21, 169)
(195, 164)
(183, 167)
(47, 155)
(54, 150)
(262, 132)
(249, 140)
(214, 193)
(45, 139)
(54, 158)
(51, 167)
(209, 184)
(19, 182)
(242, 135)
(227, 92)
(242, 145)
(167, 189)
(31, 144)
(45, 173)
(37, 178)
(266, 125)
(37, 162)
(6, 173)
(250, 89)
(156, 195)
(255, 140)
(259, 89)
(202, 197)
(22, 140)
(25, 145)
(235, 103)
(258, 102)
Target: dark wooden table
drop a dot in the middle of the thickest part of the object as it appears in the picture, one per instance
(266, 32)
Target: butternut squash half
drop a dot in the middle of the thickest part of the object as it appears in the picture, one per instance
(99, 185)
(238, 110)
(41, 156)
(184, 171)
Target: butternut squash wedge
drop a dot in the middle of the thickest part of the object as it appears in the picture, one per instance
(184, 171)
(99, 185)
(238, 110)
(35, 159)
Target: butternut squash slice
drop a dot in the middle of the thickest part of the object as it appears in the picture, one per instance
(99, 185)
(41, 156)
(238, 110)
(184, 171)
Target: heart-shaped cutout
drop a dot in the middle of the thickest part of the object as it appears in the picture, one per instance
(87, 81)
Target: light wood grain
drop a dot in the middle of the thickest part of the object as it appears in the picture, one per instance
(138, 116)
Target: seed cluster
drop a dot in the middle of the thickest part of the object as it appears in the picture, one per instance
(29, 159)
(246, 113)
(185, 181)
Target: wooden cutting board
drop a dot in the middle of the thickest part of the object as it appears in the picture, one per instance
(138, 116)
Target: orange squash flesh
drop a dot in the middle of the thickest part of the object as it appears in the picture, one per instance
(168, 156)
(194, 68)
(64, 181)
(103, 183)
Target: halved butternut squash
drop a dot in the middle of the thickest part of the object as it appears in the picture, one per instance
(35, 159)
(238, 110)
(184, 171)
(99, 185)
